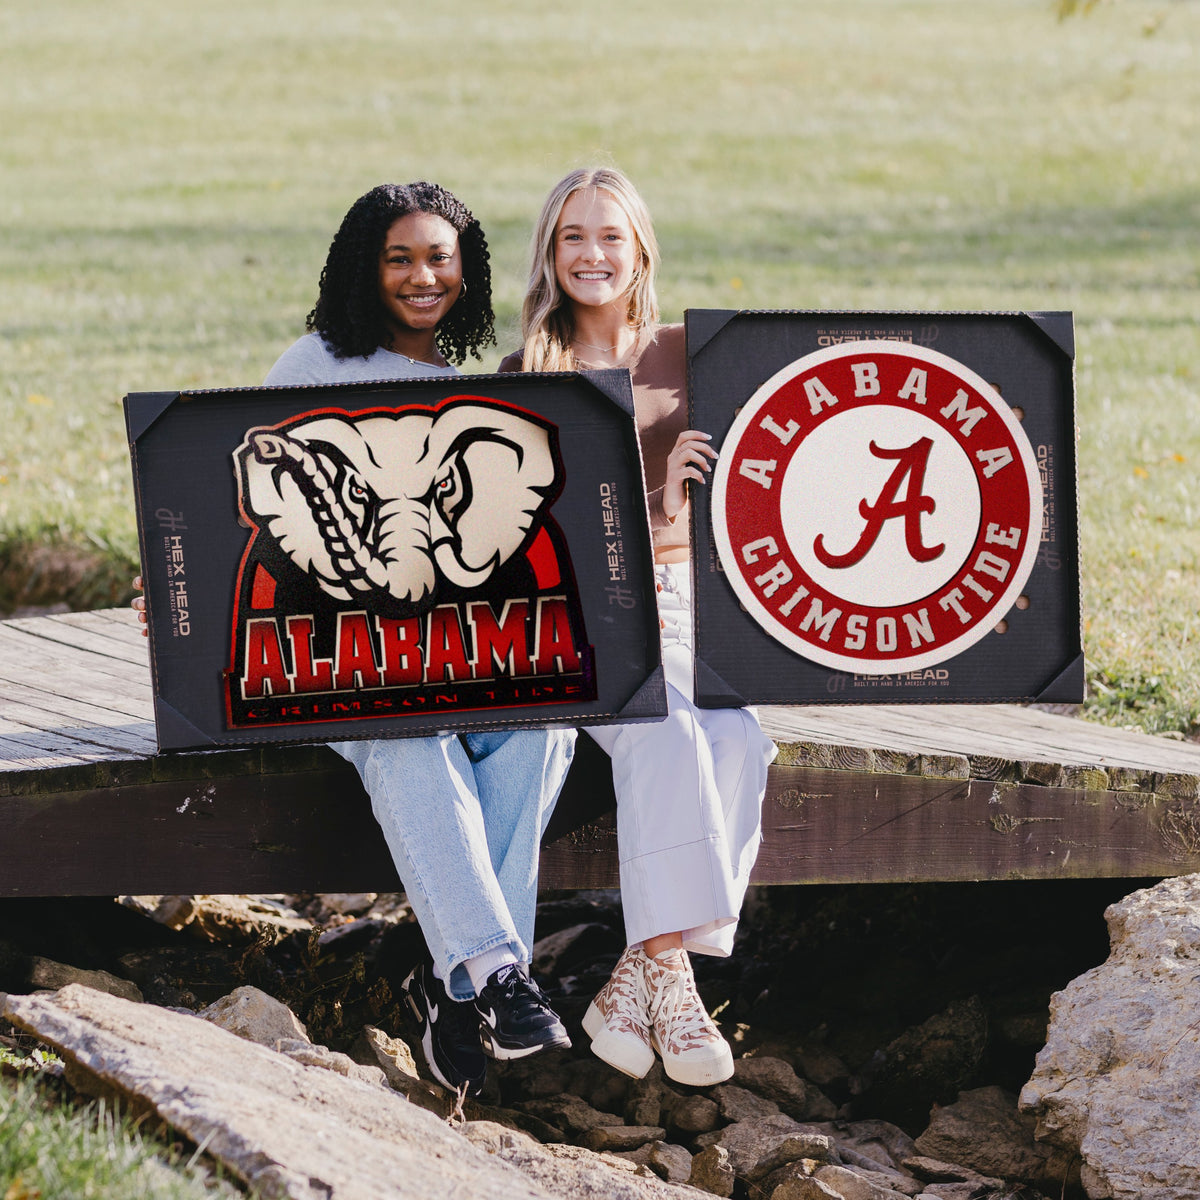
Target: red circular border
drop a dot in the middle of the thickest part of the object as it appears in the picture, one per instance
(752, 512)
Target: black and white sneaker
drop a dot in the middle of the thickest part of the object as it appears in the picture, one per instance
(449, 1032)
(515, 1018)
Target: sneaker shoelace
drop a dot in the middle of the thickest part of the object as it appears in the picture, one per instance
(516, 983)
(628, 1000)
(677, 1006)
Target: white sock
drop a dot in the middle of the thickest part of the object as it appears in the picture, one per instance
(484, 965)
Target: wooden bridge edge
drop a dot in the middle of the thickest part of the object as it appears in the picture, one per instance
(313, 831)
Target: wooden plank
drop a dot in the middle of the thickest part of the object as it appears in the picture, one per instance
(1006, 732)
(81, 740)
(29, 659)
(108, 709)
(76, 677)
(818, 827)
(822, 826)
(119, 626)
(32, 751)
(584, 858)
(77, 650)
(121, 613)
(66, 722)
(66, 631)
(115, 733)
(241, 830)
(237, 834)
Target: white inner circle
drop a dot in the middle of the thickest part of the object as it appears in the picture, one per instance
(833, 471)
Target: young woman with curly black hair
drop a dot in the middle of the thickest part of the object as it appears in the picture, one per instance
(380, 313)
(405, 292)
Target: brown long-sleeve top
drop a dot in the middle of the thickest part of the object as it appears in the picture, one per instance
(658, 372)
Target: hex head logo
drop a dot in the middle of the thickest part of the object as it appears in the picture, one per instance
(877, 507)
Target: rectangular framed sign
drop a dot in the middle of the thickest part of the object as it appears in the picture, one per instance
(893, 515)
(391, 559)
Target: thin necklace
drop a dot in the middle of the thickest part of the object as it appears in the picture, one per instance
(417, 362)
(602, 349)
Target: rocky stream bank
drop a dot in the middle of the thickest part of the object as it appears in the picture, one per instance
(882, 1037)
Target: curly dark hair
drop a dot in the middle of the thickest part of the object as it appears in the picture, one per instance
(349, 315)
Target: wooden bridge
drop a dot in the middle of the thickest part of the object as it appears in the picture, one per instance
(858, 794)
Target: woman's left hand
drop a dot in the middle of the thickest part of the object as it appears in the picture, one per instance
(689, 459)
(138, 604)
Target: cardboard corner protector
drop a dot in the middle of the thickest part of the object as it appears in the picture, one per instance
(712, 691)
(649, 702)
(142, 409)
(1059, 327)
(1067, 687)
(175, 731)
(614, 385)
(703, 324)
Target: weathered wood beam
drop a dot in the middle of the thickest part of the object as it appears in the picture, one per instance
(312, 830)
(825, 826)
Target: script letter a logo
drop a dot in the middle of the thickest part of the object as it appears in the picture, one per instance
(911, 462)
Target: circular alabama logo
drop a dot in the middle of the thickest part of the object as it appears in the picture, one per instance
(877, 507)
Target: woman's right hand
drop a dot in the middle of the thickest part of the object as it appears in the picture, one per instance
(138, 603)
(689, 459)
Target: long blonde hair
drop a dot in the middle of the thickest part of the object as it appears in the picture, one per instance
(547, 323)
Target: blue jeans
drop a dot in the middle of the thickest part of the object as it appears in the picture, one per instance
(463, 815)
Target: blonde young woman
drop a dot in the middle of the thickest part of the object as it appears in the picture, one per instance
(689, 789)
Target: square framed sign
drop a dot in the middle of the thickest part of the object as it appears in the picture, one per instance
(893, 514)
(391, 559)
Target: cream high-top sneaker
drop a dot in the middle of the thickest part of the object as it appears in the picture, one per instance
(617, 1020)
(692, 1048)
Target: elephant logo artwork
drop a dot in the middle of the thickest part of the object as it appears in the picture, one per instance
(403, 559)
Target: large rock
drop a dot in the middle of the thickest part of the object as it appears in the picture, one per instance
(226, 919)
(804, 1187)
(859, 1185)
(621, 1137)
(880, 1141)
(1116, 1081)
(740, 1104)
(712, 1172)
(983, 1130)
(301, 1050)
(748, 1142)
(257, 1017)
(284, 1128)
(572, 1171)
(928, 1064)
(668, 1161)
(376, 1048)
(568, 1112)
(560, 952)
(46, 973)
(777, 1081)
(691, 1113)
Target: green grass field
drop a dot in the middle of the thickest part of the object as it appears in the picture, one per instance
(170, 178)
(55, 1148)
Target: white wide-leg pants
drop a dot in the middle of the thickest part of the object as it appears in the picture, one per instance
(689, 799)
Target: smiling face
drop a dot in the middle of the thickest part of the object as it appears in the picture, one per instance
(596, 251)
(420, 278)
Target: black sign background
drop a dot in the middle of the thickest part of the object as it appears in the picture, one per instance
(1029, 358)
(192, 546)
